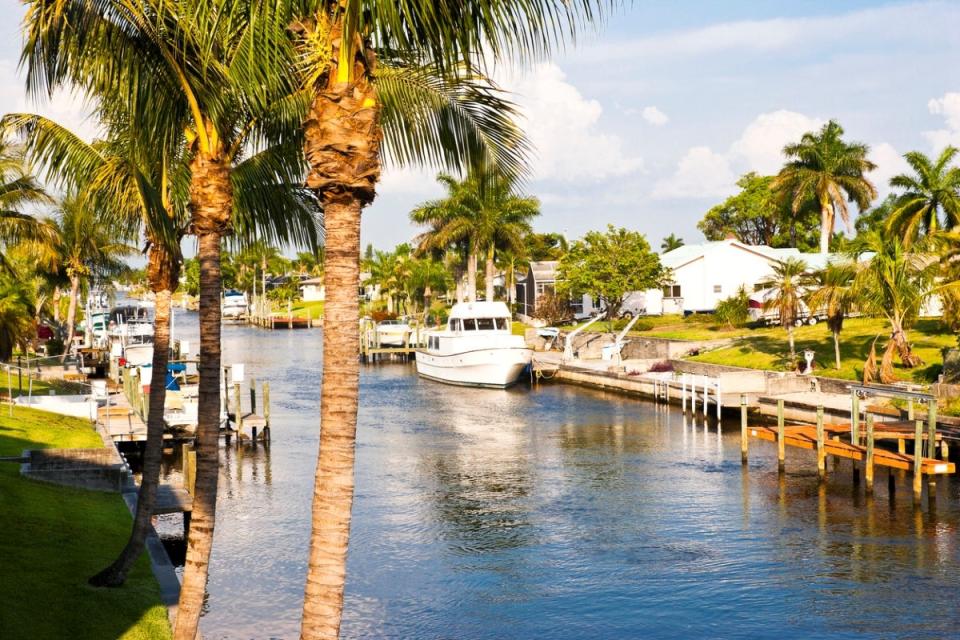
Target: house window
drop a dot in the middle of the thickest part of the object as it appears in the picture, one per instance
(576, 305)
(717, 288)
(544, 287)
(671, 291)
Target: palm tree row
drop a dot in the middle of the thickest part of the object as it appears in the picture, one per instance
(352, 76)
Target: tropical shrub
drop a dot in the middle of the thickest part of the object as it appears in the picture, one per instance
(552, 309)
(734, 311)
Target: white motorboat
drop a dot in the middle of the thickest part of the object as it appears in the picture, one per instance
(393, 333)
(131, 333)
(235, 305)
(476, 349)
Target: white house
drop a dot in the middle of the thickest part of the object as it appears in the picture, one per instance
(704, 274)
(312, 290)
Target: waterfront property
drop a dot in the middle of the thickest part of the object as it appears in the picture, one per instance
(540, 280)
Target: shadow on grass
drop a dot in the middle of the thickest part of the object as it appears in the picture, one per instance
(53, 538)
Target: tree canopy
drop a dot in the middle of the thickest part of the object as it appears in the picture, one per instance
(608, 265)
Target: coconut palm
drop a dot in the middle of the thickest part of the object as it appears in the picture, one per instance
(435, 111)
(933, 191)
(828, 170)
(18, 189)
(16, 314)
(671, 242)
(484, 211)
(786, 288)
(86, 248)
(832, 292)
(894, 284)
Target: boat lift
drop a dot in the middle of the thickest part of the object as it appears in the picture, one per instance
(568, 341)
(619, 343)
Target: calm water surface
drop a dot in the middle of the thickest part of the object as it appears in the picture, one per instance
(559, 512)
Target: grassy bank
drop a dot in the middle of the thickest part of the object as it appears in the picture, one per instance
(53, 538)
(766, 348)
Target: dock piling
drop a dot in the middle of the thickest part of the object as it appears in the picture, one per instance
(266, 412)
(821, 451)
(917, 459)
(931, 428)
(237, 416)
(869, 459)
(744, 447)
(854, 418)
(781, 443)
(683, 392)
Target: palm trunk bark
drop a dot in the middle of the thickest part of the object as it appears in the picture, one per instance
(116, 574)
(826, 226)
(899, 339)
(836, 349)
(333, 486)
(793, 351)
(211, 201)
(56, 305)
(488, 275)
(472, 276)
(71, 314)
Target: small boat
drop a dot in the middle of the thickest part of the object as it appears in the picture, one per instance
(393, 333)
(477, 348)
(131, 333)
(234, 306)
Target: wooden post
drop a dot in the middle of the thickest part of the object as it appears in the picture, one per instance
(253, 395)
(717, 398)
(869, 460)
(910, 409)
(932, 428)
(781, 445)
(683, 392)
(855, 420)
(189, 467)
(821, 450)
(266, 411)
(706, 393)
(743, 429)
(917, 461)
(237, 417)
(309, 318)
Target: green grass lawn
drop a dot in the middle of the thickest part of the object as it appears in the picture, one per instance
(300, 308)
(766, 348)
(53, 538)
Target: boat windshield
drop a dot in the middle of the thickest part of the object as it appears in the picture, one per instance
(480, 324)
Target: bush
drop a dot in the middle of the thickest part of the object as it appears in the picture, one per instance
(55, 346)
(659, 367)
(639, 325)
(552, 309)
(380, 316)
(734, 311)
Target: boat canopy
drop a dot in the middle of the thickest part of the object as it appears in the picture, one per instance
(480, 310)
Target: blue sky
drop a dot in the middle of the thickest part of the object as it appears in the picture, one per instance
(649, 121)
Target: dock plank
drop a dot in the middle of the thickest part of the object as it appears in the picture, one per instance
(805, 437)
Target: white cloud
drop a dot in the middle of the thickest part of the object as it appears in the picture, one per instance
(897, 23)
(760, 146)
(701, 173)
(889, 163)
(949, 107)
(654, 116)
(565, 129)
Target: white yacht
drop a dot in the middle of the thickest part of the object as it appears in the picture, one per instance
(131, 333)
(234, 305)
(476, 349)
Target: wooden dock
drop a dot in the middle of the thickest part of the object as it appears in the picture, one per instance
(859, 441)
(373, 350)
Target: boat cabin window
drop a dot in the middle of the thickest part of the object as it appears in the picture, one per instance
(485, 324)
(455, 325)
(503, 324)
(469, 324)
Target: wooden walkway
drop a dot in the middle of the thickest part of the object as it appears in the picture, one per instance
(171, 499)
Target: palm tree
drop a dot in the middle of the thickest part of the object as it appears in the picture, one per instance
(932, 191)
(484, 211)
(786, 288)
(86, 247)
(16, 314)
(435, 111)
(832, 292)
(894, 284)
(18, 188)
(828, 170)
(670, 243)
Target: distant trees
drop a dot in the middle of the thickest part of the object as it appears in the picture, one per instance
(671, 242)
(755, 216)
(608, 265)
(483, 211)
(826, 169)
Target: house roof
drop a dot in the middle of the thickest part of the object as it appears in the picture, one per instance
(545, 270)
(686, 254)
(311, 281)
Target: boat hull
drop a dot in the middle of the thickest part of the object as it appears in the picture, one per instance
(496, 367)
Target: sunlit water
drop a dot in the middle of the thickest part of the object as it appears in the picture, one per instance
(559, 512)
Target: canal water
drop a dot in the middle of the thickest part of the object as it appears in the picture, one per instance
(559, 512)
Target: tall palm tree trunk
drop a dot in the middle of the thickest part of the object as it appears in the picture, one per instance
(826, 225)
(489, 274)
(333, 486)
(342, 145)
(56, 304)
(116, 573)
(71, 314)
(211, 200)
(793, 350)
(472, 276)
(898, 338)
(836, 349)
